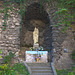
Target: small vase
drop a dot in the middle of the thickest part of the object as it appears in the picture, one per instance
(37, 59)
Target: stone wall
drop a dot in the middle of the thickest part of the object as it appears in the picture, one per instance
(10, 38)
(61, 42)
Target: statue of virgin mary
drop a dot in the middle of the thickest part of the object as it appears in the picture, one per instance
(36, 36)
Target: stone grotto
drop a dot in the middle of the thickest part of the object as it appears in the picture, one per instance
(18, 36)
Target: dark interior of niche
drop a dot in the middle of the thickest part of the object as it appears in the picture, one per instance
(36, 12)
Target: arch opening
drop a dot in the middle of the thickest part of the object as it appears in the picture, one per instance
(36, 16)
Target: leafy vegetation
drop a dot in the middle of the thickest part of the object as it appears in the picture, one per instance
(8, 69)
(5, 11)
(7, 59)
(6, 7)
(0, 53)
(16, 69)
(65, 13)
(5, 69)
(19, 67)
(66, 72)
(73, 54)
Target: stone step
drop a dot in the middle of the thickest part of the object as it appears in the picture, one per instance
(41, 71)
(38, 64)
(42, 74)
(40, 68)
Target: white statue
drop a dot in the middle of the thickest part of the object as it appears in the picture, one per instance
(36, 35)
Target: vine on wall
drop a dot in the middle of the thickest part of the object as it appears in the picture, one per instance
(6, 9)
(65, 13)
(0, 53)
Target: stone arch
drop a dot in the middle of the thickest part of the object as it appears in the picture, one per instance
(36, 17)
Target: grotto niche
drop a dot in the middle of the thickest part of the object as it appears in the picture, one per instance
(36, 17)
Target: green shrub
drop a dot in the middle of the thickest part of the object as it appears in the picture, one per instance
(0, 53)
(70, 73)
(7, 59)
(8, 69)
(66, 72)
(5, 69)
(17, 69)
(73, 54)
(20, 68)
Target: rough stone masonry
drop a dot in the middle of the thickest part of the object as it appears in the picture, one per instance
(10, 38)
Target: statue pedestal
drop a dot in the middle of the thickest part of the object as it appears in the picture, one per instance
(36, 45)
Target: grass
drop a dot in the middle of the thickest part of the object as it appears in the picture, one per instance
(66, 72)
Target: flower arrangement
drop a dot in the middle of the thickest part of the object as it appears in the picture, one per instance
(37, 57)
(37, 49)
(41, 48)
(31, 48)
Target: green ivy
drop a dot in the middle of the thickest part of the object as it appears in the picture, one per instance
(7, 59)
(0, 53)
(66, 13)
(5, 10)
(73, 54)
